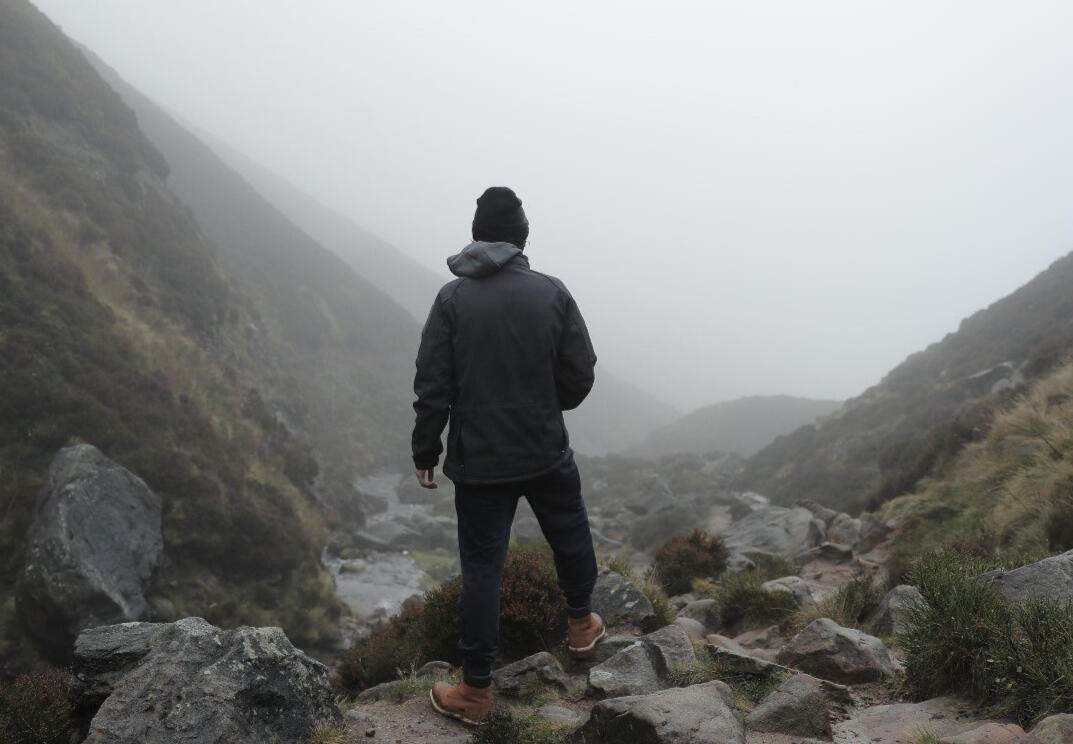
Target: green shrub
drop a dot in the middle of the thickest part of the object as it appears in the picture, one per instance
(743, 603)
(36, 709)
(686, 557)
(507, 726)
(1036, 662)
(532, 618)
(849, 606)
(773, 565)
(950, 637)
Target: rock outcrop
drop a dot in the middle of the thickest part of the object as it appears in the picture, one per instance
(188, 681)
(700, 714)
(776, 529)
(91, 551)
(1051, 578)
(619, 601)
(802, 706)
(1052, 730)
(890, 617)
(530, 675)
(829, 651)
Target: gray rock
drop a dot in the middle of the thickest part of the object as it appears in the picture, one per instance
(692, 628)
(903, 722)
(619, 602)
(721, 641)
(631, 671)
(802, 705)
(1052, 578)
(890, 617)
(90, 553)
(1052, 730)
(559, 715)
(832, 553)
(753, 500)
(189, 681)
(739, 563)
(395, 690)
(844, 530)
(385, 535)
(825, 513)
(607, 648)
(530, 675)
(776, 529)
(678, 601)
(670, 647)
(826, 649)
(704, 611)
(434, 669)
(795, 586)
(735, 662)
(873, 531)
(700, 714)
(990, 732)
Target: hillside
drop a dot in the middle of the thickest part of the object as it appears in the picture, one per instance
(878, 445)
(342, 353)
(741, 426)
(409, 283)
(1010, 494)
(246, 376)
(614, 416)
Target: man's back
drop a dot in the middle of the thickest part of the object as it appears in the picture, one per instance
(505, 349)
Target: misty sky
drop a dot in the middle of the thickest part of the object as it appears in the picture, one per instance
(745, 198)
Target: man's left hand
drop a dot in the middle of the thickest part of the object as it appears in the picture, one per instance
(427, 477)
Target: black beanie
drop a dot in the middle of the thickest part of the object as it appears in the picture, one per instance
(500, 217)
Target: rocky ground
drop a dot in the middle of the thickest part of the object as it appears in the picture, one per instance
(690, 683)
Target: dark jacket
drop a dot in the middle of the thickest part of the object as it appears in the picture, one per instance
(503, 353)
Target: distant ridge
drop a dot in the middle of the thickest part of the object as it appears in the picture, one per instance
(741, 426)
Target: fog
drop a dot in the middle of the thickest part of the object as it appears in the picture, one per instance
(745, 198)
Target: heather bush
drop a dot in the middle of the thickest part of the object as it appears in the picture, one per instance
(532, 618)
(36, 709)
(686, 557)
(744, 603)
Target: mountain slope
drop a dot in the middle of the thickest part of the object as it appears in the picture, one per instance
(343, 349)
(881, 443)
(409, 283)
(741, 426)
(229, 374)
(614, 416)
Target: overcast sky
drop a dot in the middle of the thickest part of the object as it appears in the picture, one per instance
(745, 198)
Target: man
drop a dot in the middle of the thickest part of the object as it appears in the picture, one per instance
(503, 353)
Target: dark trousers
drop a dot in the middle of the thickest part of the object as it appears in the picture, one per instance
(485, 514)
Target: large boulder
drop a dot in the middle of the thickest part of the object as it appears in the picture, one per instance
(671, 648)
(700, 714)
(619, 602)
(90, 553)
(802, 705)
(776, 529)
(795, 586)
(900, 723)
(189, 681)
(1052, 730)
(826, 649)
(891, 616)
(530, 676)
(631, 671)
(1051, 578)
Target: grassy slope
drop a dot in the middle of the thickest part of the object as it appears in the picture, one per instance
(878, 445)
(121, 325)
(341, 350)
(1010, 493)
(742, 426)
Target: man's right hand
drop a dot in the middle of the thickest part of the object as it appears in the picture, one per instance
(427, 477)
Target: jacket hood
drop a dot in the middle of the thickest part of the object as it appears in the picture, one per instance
(480, 259)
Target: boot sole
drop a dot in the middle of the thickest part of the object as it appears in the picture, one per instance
(586, 651)
(449, 714)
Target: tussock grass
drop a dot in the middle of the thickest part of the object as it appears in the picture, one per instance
(515, 726)
(849, 606)
(966, 639)
(1009, 495)
(328, 732)
(749, 689)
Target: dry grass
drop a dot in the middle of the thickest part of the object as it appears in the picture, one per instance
(329, 732)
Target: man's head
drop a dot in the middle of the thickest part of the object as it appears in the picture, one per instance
(500, 217)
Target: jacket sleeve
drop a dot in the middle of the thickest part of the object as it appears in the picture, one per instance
(434, 387)
(576, 361)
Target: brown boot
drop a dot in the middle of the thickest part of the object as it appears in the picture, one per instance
(583, 633)
(462, 702)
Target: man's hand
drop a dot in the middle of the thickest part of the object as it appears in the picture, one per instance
(427, 478)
